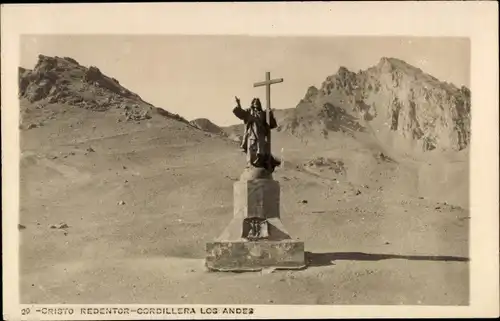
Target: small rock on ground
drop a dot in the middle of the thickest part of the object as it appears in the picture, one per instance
(59, 226)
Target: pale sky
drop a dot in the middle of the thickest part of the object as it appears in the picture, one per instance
(198, 76)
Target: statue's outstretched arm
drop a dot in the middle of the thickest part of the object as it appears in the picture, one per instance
(244, 115)
(241, 113)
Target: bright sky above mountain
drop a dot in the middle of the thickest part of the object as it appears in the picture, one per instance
(198, 76)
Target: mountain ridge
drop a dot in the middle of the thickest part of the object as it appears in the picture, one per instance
(63, 80)
(398, 104)
(395, 98)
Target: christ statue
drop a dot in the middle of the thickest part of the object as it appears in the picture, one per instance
(256, 138)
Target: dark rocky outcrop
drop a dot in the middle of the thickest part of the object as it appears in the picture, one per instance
(56, 80)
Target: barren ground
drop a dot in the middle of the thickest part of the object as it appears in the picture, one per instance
(395, 242)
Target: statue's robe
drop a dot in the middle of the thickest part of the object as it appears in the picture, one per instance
(256, 135)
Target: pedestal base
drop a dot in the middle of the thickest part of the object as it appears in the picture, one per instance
(241, 256)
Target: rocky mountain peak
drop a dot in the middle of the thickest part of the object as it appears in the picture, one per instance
(56, 80)
(311, 94)
(393, 96)
(393, 63)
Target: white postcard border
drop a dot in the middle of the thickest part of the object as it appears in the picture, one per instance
(477, 20)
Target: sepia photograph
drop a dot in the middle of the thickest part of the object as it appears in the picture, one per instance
(138, 154)
(239, 169)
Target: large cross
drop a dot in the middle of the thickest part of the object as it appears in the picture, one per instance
(268, 82)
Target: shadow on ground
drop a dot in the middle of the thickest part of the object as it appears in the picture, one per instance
(325, 259)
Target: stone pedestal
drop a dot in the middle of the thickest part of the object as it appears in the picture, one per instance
(255, 238)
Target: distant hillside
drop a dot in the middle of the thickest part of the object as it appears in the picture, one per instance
(206, 125)
(56, 80)
(396, 102)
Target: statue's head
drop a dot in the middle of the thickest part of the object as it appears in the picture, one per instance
(256, 104)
